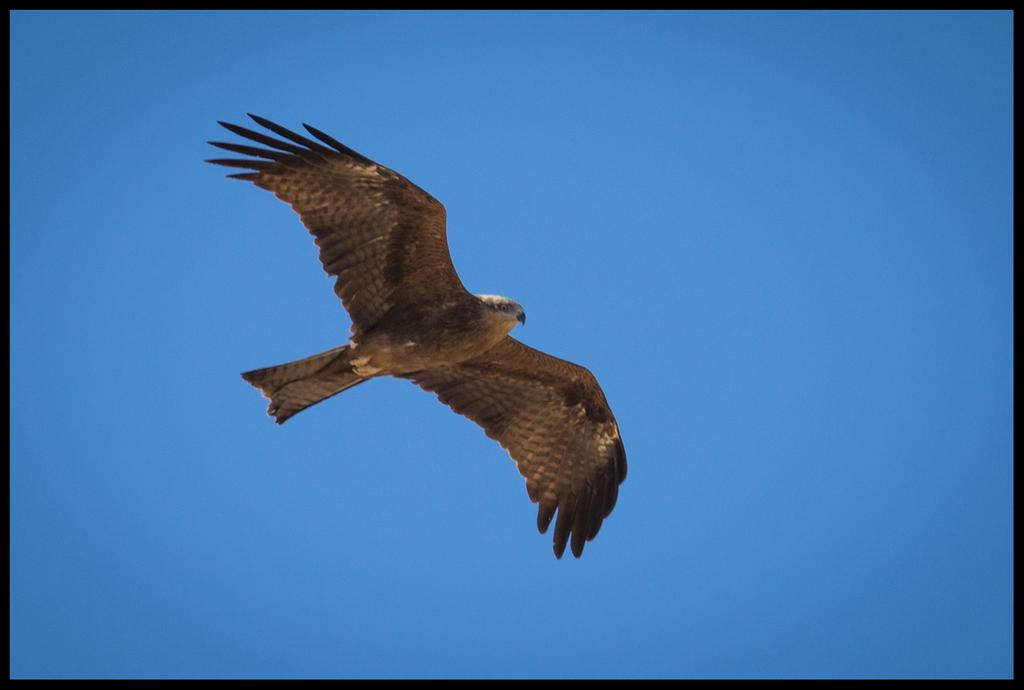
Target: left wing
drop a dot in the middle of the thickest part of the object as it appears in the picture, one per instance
(553, 419)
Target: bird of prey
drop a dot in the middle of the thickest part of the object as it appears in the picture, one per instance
(384, 240)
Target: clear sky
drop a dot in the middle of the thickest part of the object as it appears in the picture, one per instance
(782, 242)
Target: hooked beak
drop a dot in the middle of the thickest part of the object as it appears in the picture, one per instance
(521, 317)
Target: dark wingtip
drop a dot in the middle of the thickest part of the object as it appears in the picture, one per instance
(335, 144)
(241, 163)
(290, 135)
(233, 128)
(544, 515)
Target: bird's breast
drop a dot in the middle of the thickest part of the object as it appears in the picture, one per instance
(438, 340)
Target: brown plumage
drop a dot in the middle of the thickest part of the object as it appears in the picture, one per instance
(383, 239)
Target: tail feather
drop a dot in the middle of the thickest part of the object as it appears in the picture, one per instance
(293, 387)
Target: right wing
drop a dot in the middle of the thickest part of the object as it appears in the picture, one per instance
(379, 234)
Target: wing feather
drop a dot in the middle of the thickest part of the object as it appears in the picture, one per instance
(379, 235)
(555, 422)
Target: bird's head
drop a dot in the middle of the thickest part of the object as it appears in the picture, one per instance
(506, 307)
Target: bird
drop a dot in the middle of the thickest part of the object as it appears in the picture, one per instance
(384, 240)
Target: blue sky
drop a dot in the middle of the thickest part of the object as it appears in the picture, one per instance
(782, 242)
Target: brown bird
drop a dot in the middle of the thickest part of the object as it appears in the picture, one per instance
(383, 239)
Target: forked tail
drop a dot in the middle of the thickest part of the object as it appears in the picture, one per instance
(293, 387)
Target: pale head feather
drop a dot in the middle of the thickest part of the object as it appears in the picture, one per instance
(504, 305)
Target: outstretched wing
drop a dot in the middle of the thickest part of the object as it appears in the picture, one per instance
(380, 235)
(554, 421)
